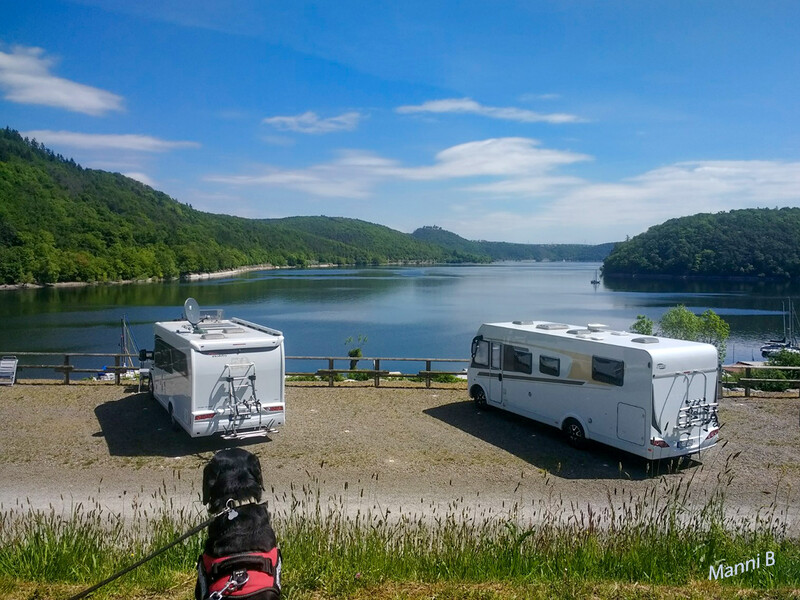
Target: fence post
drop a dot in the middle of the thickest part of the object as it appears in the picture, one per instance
(428, 374)
(116, 369)
(377, 366)
(747, 385)
(66, 369)
(330, 374)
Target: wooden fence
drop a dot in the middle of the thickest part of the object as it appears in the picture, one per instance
(748, 382)
(122, 364)
(376, 372)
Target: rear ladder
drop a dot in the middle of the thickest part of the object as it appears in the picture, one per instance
(242, 400)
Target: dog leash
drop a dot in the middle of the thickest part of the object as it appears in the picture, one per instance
(228, 510)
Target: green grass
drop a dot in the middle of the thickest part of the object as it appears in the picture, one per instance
(331, 550)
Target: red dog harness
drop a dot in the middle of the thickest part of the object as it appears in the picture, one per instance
(246, 576)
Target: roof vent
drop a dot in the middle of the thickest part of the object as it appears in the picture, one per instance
(645, 340)
(552, 326)
(597, 327)
(522, 322)
(213, 336)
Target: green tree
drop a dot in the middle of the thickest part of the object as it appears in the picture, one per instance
(643, 325)
(681, 323)
(355, 351)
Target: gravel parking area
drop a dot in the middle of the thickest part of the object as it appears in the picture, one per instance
(406, 449)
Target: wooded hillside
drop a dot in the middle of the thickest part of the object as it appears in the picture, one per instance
(61, 222)
(508, 251)
(756, 243)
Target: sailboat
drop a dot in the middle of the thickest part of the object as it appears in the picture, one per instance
(789, 341)
(596, 280)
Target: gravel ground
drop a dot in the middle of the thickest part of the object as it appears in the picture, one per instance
(409, 450)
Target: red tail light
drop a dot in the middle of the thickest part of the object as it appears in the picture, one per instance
(204, 416)
(712, 433)
(659, 443)
(275, 409)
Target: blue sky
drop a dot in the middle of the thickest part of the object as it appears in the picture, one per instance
(542, 122)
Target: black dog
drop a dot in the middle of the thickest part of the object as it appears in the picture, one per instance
(241, 544)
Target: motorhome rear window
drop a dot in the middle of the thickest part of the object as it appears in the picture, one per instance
(518, 360)
(549, 365)
(608, 370)
(481, 356)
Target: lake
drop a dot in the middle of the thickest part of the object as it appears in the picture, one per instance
(414, 311)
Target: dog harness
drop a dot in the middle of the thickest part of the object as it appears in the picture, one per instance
(245, 576)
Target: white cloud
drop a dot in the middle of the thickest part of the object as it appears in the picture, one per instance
(576, 210)
(355, 173)
(309, 122)
(504, 157)
(25, 77)
(469, 106)
(513, 189)
(142, 178)
(352, 175)
(92, 141)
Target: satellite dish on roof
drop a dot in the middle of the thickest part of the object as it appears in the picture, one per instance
(191, 311)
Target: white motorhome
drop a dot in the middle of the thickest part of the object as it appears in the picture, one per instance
(652, 396)
(216, 375)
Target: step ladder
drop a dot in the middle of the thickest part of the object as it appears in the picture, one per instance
(8, 370)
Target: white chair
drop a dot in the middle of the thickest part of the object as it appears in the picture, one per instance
(8, 370)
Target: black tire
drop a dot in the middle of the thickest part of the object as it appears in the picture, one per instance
(574, 433)
(151, 388)
(479, 397)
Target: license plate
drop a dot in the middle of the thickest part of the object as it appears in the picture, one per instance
(684, 443)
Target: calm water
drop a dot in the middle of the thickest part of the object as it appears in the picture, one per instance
(403, 311)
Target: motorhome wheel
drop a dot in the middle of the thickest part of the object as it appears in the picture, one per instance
(574, 432)
(479, 396)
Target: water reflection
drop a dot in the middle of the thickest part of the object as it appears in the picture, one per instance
(404, 311)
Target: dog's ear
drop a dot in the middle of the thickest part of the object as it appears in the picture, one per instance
(254, 468)
(209, 480)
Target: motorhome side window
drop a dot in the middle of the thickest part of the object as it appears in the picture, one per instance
(162, 355)
(496, 356)
(480, 353)
(517, 359)
(549, 365)
(170, 359)
(608, 370)
(180, 364)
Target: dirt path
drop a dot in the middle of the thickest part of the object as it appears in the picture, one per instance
(411, 450)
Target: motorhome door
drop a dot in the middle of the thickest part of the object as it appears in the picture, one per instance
(496, 376)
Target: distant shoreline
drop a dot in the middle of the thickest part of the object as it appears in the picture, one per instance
(185, 277)
(194, 276)
(669, 277)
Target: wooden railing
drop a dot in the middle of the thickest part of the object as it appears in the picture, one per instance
(67, 368)
(376, 372)
(749, 381)
(122, 363)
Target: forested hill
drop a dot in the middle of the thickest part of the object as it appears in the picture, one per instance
(61, 222)
(759, 243)
(508, 251)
